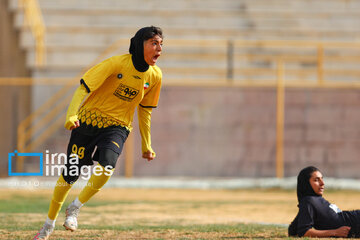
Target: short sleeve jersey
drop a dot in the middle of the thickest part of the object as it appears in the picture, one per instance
(116, 89)
(316, 212)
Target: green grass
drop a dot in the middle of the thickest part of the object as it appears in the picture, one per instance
(16, 206)
(40, 205)
(23, 213)
(240, 228)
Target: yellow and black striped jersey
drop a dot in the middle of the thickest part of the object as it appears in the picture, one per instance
(116, 88)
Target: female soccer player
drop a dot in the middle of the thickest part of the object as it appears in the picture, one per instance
(316, 216)
(115, 87)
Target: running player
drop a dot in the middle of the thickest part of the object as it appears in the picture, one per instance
(115, 87)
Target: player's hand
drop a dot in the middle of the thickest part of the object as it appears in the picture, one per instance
(77, 124)
(342, 231)
(148, 155)
(72, 122)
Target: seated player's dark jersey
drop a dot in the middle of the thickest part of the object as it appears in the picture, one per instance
(315, 212)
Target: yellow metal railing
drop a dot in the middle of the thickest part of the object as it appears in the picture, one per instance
(316, 54)
(34, 20)
(276, 76)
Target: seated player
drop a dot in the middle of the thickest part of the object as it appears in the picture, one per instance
(317, 217)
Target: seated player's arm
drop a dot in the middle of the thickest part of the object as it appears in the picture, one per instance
(72, 120)
(339, 232)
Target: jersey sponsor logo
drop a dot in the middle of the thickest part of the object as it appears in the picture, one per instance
(119, 76)
(126, 93)
(136, 77)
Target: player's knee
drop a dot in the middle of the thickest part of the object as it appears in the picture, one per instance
(108, 164)
(70, 179)
(108, 158)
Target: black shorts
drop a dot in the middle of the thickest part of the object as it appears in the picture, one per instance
(85, 138)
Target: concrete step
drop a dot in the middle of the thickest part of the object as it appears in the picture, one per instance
(308, 6)
(287, 13)
(104, 37)
(78, 31)
(52, 72)
(185, 26)
(172, 54)
(138, 4)
(58, 18)
(318, 5)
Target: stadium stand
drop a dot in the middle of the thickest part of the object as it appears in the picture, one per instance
(78, 31)
(203, 42)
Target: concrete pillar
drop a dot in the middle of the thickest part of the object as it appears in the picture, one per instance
(14, 100)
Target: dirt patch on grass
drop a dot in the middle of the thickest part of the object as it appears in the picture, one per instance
(117, 235)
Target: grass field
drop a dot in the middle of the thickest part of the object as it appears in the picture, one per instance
(162, 213)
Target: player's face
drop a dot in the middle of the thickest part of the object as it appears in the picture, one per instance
(317, 183)
(152, 49)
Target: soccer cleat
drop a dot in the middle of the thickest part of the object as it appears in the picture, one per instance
(72, 213)
(44, 232)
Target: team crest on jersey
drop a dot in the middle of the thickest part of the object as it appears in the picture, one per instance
(146, 85)
(119, 76)
(126, 93)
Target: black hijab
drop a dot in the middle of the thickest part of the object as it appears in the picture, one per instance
(137, 51)
(303, 184)
(137, 46)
